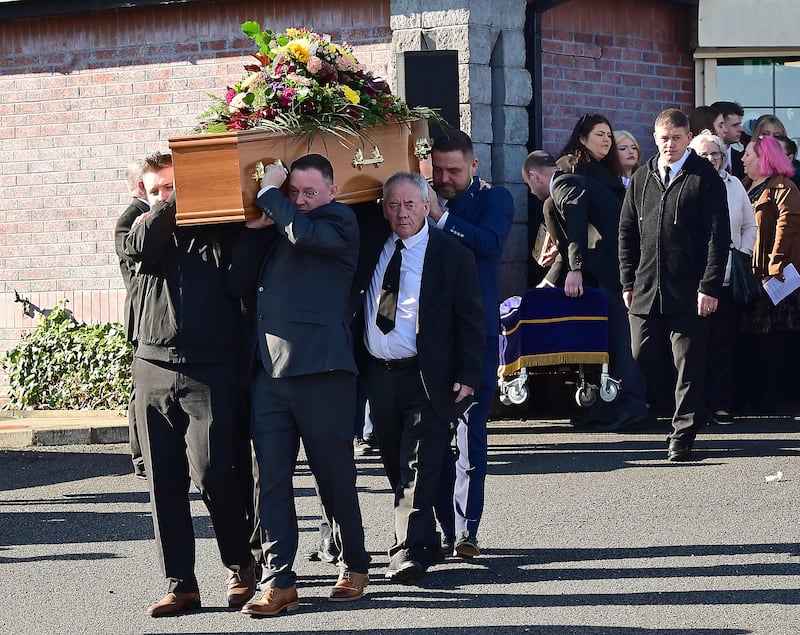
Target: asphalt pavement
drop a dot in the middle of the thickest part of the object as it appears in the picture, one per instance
(584, 533)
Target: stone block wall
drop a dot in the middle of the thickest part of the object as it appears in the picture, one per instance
(495, 89)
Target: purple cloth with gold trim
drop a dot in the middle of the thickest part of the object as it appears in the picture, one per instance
(546, 328)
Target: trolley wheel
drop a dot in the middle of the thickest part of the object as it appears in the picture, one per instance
(517, 394)
(609, 391)
(585, 396)
(505, 400)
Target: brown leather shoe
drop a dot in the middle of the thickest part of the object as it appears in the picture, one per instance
(241, 585)
(174, 604)
(350, 587)
(275, 601)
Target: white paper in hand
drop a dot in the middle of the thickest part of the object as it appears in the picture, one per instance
(777, 290)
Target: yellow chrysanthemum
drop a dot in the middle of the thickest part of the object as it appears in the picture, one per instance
(292, 32)
(299, 52)
(352, 96)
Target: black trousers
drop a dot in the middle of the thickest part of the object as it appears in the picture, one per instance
(133, 433)
(688, 338)
(187, 416)
(412, 441)
(319, 409)
(722, 347)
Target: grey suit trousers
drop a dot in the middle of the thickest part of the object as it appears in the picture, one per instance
(319, 409)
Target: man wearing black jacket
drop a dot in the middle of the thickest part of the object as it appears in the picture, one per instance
(674, 234)
(187, 386)
(137, 207)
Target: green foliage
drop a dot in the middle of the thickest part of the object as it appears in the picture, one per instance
(65, 364)
(262, 38)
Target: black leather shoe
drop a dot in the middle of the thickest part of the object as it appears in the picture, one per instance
(327, 552)
(679, 450)
(620, 423)
(447, 546)
(404, 569)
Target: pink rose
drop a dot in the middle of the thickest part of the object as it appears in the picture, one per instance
(314, 64)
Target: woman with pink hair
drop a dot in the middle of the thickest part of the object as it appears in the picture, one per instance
(775, 329)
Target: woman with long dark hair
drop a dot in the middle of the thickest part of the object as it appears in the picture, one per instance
(592, 151)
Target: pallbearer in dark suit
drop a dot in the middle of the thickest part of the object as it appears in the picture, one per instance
(585, 225)
(299, 259)
(187, 334)
(479, 218)
(423, 328)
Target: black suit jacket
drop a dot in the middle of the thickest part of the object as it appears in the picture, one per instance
(584, 221)
(451, 337)
(127, 266)
(737, 167)
(300, 271)
(673, 242)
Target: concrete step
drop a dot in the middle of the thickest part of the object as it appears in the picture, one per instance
(26, 428)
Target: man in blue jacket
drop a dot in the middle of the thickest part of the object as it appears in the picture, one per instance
(480, 219)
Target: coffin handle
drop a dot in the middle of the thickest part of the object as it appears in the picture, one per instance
(359, 161)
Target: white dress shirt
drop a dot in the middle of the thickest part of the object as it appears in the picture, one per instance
(400, 342)
(674, 168)
(445, 213)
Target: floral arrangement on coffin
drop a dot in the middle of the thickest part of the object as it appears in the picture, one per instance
(304, 84)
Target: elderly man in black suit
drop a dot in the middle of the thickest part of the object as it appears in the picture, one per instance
(299, 259)
(420, 318)
(674, 233)
(584, 223)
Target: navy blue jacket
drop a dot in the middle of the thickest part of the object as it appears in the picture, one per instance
(481, 221)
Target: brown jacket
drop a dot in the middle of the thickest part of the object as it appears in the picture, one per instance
(778, 217)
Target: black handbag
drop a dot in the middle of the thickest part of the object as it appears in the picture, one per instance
(745, 288)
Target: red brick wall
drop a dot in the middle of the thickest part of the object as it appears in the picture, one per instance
(625, 59)
(81, 96)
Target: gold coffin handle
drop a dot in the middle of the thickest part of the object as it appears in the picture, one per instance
(359, 161)
(258, 173)
(422, 148)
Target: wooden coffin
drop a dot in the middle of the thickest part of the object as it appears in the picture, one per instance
(214, 172)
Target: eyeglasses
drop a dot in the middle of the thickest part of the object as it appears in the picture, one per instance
(713, 155)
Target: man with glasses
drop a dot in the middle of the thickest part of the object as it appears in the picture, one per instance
(298, 259)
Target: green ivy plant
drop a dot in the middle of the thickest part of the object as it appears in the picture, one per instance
(66, 364)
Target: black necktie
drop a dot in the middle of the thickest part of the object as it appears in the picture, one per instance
(666, 176)
(387, 303)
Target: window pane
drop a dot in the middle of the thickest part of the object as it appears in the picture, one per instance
(787, 83)
(790, 117)
(747, 81)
